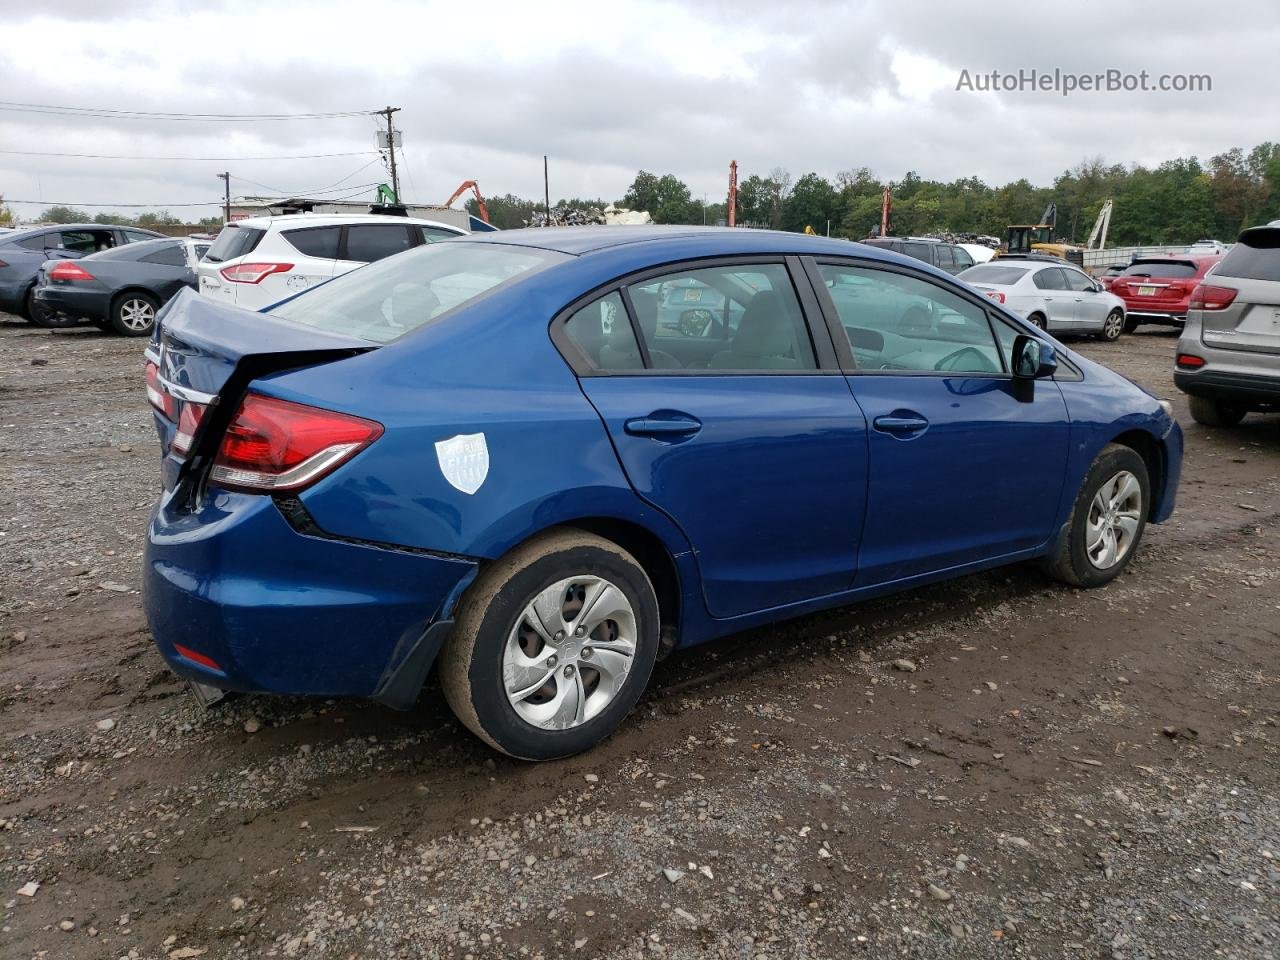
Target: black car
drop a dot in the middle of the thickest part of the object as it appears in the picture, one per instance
(23, 251)
(944, 256)
(119, 289)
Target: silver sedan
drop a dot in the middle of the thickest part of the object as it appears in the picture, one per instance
(1055, 296)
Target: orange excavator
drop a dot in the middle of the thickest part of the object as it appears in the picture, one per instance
(470, 185)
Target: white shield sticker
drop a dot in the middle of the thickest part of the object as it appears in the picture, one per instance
(464, 461)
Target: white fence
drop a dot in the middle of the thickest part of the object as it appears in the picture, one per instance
(1121, 256)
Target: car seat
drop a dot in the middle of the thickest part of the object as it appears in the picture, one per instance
(764, 339)
(620, 351)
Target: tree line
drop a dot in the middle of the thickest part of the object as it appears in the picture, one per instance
(1178, 201)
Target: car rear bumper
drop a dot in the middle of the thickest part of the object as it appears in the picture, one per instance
(238, 599)
(1228, 385)
(1156, 316)
(90, 304)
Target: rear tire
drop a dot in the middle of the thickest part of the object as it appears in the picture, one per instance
(1113, 326)
(1038, 321)
(1107, 521)
(544, 691)
(43, 317)
(133, 314)
(1215, 413)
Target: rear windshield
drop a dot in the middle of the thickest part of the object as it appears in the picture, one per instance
(1174, 269)
(387, 299)
(233, 242)
(1253, 259)
(992, 273)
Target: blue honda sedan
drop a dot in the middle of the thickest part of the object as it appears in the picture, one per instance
(488, 456)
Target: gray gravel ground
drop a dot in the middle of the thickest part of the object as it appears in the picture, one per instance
(1063, 773)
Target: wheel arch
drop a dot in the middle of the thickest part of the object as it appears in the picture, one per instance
(1152, 452)
(121, 294)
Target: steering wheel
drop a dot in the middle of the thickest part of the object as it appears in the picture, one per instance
(981, 362)
(694, 323)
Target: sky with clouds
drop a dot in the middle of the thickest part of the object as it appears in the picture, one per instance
(605, 89)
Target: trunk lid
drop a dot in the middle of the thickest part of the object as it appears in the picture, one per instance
(205, 355)
(1252, 321)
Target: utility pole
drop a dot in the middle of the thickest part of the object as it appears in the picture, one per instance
(226, 195)
(546, 188)
(391, 146)
(733, 193)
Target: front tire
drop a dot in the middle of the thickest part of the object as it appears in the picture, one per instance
(1038, 321)
(1113, 326)
(1107, 521)
(134, 314)
(552, 646)
(1215, 413)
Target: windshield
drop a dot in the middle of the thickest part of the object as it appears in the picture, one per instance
(992, 273)
(387, 299)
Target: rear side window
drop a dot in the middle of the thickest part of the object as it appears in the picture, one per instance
(41, 241)
(602, 331)
(319, 242)
(369, 242)
(136, 236)
(1050, 278)
(167, 256)
(1173, 269)
(386, 300)
(234, 242)
(433, 234)
(918, 250)
(1253, 260)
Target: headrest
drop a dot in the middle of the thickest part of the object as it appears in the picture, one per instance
(764, 330)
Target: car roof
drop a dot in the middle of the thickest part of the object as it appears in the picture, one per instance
(36, 231)
(335, 219)
(1196, 258)
(695, 241)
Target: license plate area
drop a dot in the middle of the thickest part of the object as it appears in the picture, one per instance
(1146, 291)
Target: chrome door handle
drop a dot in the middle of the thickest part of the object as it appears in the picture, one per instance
(900, 424)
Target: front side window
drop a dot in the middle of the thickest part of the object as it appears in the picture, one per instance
(897, 322)
(602, 331)
(1078, 282)
(81, 241)
(369, 242)
(386, 300)
(733, 317)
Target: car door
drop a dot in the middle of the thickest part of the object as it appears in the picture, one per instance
(961, 470)
(757, 451)
(1090, 309)
(317, 249)
(1059, 298)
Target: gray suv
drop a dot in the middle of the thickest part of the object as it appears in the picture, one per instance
(1229, 355)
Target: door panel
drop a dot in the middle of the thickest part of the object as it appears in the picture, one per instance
(766, 475)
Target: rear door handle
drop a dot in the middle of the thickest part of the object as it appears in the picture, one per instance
(903, 424)
(668, 427)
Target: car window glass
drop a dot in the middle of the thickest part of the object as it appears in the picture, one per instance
(723, 318)
(199, 250)
(900, 322)
(946, 257)
(1252, 260)
(602, 331)
(167, 256)
(993, 273)
(368, 242)
(136, 236)
(319, 242)
(234, 242)
(83, 241)
(1050, 278)
(1078, 282)
(1172, 269)
(963, 260)
(434, 234)
(41, 241)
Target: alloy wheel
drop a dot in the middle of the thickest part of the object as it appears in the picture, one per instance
(1113, 326)
(137, 314)
(1115, 515)
(569, 653)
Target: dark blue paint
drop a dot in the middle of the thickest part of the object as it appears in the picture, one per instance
(773, 495)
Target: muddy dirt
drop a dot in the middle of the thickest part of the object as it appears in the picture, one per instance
(1064, 773)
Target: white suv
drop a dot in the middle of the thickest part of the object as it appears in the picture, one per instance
(260, 261)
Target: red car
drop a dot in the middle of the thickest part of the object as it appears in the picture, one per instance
(1158, 289)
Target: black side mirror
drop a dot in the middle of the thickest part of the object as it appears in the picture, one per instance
(1033, 359)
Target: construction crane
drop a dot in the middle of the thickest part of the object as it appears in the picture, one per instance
(463, 188)
(1098, 238)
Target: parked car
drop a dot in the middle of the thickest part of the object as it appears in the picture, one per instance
(948, 257)
(1107, 275)
(260, 261)
(1228, 359)
(1208, 248)
(1158, 289)
(978, 252)
(483, 449)
(118, 289)
(23, 251)
(1052, 294)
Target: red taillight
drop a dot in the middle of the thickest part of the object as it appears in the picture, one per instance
(279, 445)
(1208, 297)
(188, 423)
(1189, 361)
(160, 398)
(199, 658)
(253, 272)
(69, 270)
(995, 295)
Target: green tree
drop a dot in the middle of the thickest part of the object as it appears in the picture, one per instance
(111, 218)
(812, 202)
(161, 218)
(642, 194)
(507, 212)
(6, 214)
(62, 214)
(674, 202)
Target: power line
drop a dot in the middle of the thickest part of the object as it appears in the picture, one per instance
(303, 193)
(131, 206)
(106, 156)
(102, 112)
